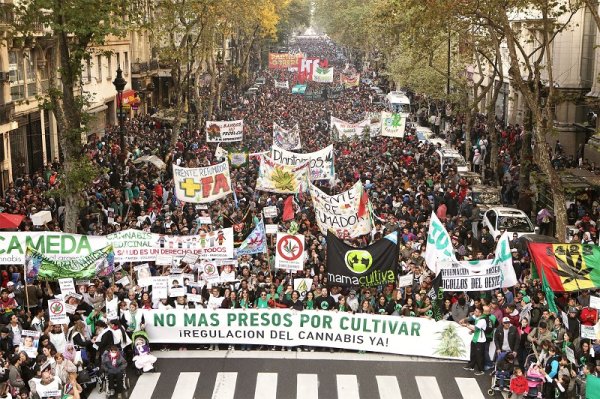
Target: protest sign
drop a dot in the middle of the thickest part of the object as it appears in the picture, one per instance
(202, 185)
(282, 85)
(343, 212)
(288, 139)
(289, 251)
(160, 287)
(163, 260)
(283, 327)
(271, 228)
(66, 285)
(270, 211)
(405, 280)
(276, 177)
(393, 124)
(29, 343)
(205, 220)
(57, 311)
(594, 302)
(322, 75)
(320, 162)
(588, 332)
(224, 131)
(341, 129)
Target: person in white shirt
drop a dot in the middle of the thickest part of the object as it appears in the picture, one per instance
(214, 302)
(57, 334)
(38, 321)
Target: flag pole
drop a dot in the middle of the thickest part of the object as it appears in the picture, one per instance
(25, 280)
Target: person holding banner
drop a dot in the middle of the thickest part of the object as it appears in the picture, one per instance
(477, 328)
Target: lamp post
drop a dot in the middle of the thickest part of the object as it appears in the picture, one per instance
(120, 84)
(219, 69)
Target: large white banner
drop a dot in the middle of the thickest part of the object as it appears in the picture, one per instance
(54, 245)
(282, 85)
(224, 131)
(288, 139)
(393, 124)
(282, 327)
(201, 185)
(290, 251)
(140, 246)
(321, 162)
(476, 275)
(279, 178)
(341, 129)
(322, 75)
(340, 212)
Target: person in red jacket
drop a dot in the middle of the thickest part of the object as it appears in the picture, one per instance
(518, 384)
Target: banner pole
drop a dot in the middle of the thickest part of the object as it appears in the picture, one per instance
(25, 281)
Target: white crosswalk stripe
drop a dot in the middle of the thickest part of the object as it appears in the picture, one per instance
(186, 386)
(266, 386)
(307, 386)
(428, 387)
(225, 386)
(388, 387)
(469, 388)
(347, 386)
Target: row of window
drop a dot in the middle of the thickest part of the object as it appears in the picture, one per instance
(104, 70)
(22, 67)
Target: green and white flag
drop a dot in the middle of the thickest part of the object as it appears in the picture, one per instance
(439, 246)
(98, 263)
(323, 75)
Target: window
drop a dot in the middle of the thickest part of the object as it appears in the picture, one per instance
(88, 68)
(30, 73)
(17, 79)
(126, 63)
(118, 60)
(109, 66)
(99, 67)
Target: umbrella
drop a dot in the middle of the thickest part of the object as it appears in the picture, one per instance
(10, 221)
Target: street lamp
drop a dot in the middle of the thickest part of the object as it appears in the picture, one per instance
(120, 84)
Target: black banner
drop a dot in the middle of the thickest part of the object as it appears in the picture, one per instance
(362, 267)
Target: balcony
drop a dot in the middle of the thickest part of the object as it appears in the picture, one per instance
(144, 67)
(7, 112)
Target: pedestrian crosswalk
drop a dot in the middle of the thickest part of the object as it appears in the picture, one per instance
(270, 385)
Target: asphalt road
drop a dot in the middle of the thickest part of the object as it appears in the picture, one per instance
(270, 375)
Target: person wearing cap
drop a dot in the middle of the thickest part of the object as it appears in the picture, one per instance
(506, 338)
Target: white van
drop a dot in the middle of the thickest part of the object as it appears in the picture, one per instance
(397, 101)
(449, 156)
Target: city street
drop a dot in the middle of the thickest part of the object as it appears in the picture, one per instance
(269, 375)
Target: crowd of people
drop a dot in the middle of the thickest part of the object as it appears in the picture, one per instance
(404, 184)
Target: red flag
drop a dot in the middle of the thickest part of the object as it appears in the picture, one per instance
(288, 209)
(364, 201)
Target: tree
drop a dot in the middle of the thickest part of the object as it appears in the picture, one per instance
(77, 26)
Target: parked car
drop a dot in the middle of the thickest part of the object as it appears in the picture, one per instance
(513, 220)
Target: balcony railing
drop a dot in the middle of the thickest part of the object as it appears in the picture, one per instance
(142, 67)
(7, 112)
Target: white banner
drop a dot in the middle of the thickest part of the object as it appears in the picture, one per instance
(140, 246)
(279, 327)
(224, 131)
(340, 212)
(341, 129)
(321, 162)
(481, 275)
(288, 139)
(54, 245)
(202, 185)
(322, 75)
(290, 251)
(279, 178)
(282, 85)
(393, 124)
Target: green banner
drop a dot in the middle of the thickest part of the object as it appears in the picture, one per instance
(97, 263)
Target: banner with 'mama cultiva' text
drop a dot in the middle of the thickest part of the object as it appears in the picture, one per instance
(283, 327)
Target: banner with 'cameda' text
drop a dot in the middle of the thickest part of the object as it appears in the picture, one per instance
(281, 327)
